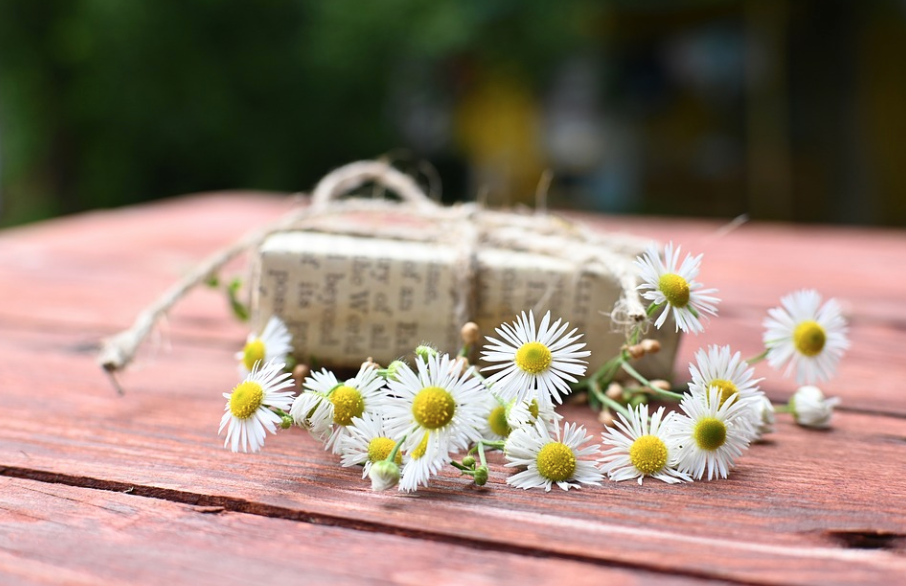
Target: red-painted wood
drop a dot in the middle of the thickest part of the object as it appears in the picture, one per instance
(793, 512)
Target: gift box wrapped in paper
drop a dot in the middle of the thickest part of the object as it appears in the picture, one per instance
(375, 278)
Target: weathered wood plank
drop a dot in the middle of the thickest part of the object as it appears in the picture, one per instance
(57, 534)
(774, 521)
(98, 270)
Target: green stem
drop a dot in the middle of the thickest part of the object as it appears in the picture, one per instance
(783, 407)
(458, 466)
(391, 457)
(605, 400)
(758, 357)
(670, 395)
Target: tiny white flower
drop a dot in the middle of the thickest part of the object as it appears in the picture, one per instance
(247, 410)
(808, 335)
(384, 475)
(672, 285)
(534, 363)
(641, 448)
(421, 464)
(437, 401)
(496, 425)
(711, 434)
(327, 406)
(522, 413)
(274, 343)
(366, 442)
(731, 375)
(550, 460)
(811, 409)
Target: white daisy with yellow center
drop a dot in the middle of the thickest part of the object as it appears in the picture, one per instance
(274, 343)
(534, 363)
(732, 376)
(366, 442)
(327, 406)
(523, 413)
(248, 412)
(439, 408)
(642, 448)
(672, 285)
(548, 460)
(710, 434)
(496, 426)
(809, 336)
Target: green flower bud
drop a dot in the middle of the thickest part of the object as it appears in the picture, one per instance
(481, 475)
(468, 461)
(384, 475)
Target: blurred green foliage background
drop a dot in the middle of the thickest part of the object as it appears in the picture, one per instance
(787, 110)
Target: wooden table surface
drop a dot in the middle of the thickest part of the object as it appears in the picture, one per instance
(97, 488)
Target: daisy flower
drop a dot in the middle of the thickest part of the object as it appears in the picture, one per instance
(550, 460)
(534, 363)
(327, 407)
(496, 425)
(672, 285)
(366, 442)
(274, 343)
(421, 464)
(731, 375)
(808, 335)
(811, 409)
(522, 413)
(711, 434)
(438, 402)
(641, 448)
(248, 410)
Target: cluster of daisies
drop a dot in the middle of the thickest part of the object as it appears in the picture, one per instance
(404, 423)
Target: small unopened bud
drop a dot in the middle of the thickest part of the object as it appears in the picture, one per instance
(637, 400)
(470, 333)
(286, 422)
(468, 461)
(635, 351)
(660, 384)
(481, 475)
(370, 362)
(384, 475)
(614, 391)
(300, 373)
(650, 346)
(391, 371)
(765, 416)
(424, 351)
(605, 417)
(811, 409)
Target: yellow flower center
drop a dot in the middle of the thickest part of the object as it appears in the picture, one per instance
(556, 462)
(245, 399)
(252, 353)
(533, 357)
(347, 403)
(420, 449)
(648, 454)
(433, 407)
(726, 389)
(380, 447)
(675, 289)
(533, 409)
(809, 338)
(497, 421)
(710, 433)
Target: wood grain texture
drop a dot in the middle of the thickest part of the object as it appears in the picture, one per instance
(805, 508)
(56, 534)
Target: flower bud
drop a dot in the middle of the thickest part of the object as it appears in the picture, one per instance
(650, 346)
(481, 475)
(391, 371)
(811, 409)
(660, 384)
(468, 461)
(614, 391)
(370, 362)
(635, 351)
(424, 351)
(384, 474)
(300, 373)
(605, 417)
(286, 422)
(470, 333)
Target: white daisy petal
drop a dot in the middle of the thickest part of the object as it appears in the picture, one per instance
(536, 363)
(807, 337)
(273, 345)
(551, 459)
(641, 448)
(247, 415)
